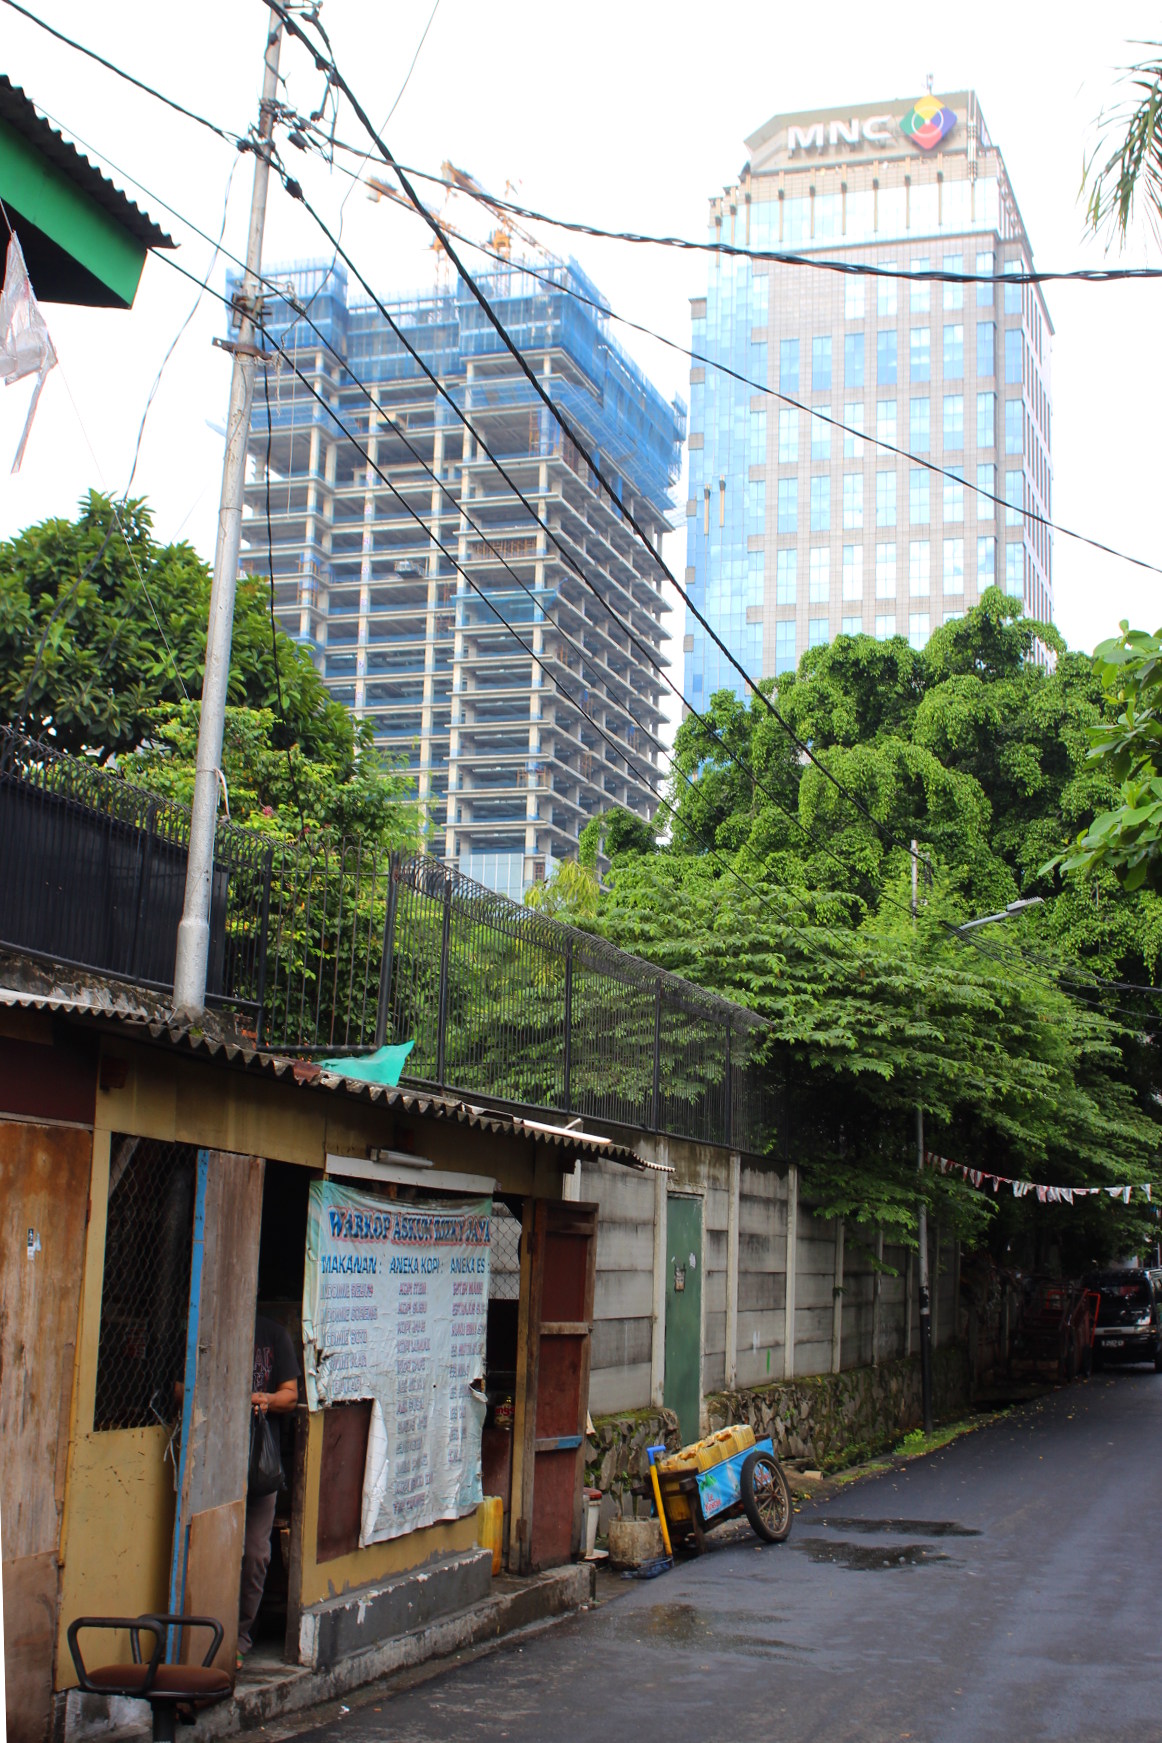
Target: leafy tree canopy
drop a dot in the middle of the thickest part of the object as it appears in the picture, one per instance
(977, 747)
(99, 624)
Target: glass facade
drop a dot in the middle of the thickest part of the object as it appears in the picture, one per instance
(911, 368)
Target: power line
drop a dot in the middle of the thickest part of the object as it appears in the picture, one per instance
(851, 268)
(555, 412)
(111, 66)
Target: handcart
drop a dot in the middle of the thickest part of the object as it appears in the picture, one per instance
(723, 1477)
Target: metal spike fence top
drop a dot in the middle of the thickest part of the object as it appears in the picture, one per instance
(331, 946)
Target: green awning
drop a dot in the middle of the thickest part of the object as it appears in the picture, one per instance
(83, 240)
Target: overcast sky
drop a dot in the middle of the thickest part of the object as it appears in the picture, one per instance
(626, 115)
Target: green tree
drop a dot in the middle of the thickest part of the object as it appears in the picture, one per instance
(1127, 160)
(99, 624)
(977, 746)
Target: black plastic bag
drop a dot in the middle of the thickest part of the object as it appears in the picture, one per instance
(265, 1475)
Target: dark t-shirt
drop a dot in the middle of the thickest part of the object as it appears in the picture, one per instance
(274, 1356)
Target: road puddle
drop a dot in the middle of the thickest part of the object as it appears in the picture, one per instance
(900, 1527)
(686, 1627)
(866, 1557)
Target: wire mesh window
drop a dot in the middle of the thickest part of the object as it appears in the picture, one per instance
(504, 1256)
(146, 1284)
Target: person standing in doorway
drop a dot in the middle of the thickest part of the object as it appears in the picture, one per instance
(275, 1391)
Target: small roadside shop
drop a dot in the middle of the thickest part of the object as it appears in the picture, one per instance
(155, 1185)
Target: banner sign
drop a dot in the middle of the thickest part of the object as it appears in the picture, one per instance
(395, 1309)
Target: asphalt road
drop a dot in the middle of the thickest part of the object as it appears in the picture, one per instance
(1005, 1588)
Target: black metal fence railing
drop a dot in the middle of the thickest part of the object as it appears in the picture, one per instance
(93, 871)
(334, 948)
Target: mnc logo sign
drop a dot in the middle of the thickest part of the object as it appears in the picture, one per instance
(928, 122)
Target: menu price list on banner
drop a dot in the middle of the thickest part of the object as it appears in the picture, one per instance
(395, 1309)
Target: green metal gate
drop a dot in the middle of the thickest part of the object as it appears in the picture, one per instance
(683, 1383)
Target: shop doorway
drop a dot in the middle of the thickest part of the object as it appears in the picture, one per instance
(281, 1262)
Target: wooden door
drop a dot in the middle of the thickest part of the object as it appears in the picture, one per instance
(558, 1277)
(211, 1513)
(44, 1201)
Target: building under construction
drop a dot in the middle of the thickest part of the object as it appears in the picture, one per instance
(403, 576)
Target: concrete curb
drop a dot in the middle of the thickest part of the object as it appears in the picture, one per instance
(518, 1604)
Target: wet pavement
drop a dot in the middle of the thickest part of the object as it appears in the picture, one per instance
(1004, 1588)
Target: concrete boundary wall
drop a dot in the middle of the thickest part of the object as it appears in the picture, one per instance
(853, 1296)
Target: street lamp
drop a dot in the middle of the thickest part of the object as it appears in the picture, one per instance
(925, 1292)
(1013, 908)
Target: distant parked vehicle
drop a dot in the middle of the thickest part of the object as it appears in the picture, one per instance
(1129, 1317)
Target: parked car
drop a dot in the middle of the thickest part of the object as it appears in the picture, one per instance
(1129, 1317)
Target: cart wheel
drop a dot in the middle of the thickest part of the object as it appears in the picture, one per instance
(765, 1496)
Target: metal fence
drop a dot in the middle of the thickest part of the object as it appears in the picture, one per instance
(93, 871)
(334, 948)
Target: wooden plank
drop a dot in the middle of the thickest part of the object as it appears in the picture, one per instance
(215, 1543)
(215, 1458)
(565, 1328)
(30, 1604)
(44, 1188)
(294, 1573)
(532, 1270)
(344, 1459)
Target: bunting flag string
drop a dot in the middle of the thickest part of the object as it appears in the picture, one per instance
(980, 1177)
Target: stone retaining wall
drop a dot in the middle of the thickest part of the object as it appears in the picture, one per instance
(837, 1419)
(826, 1419)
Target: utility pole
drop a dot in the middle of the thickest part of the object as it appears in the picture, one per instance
(193, 942)
(922, 1215)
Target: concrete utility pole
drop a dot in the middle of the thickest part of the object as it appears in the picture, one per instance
(193, 943)
(922, 1215)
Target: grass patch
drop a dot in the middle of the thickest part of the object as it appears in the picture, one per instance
(853, 1476)
(917, 1444)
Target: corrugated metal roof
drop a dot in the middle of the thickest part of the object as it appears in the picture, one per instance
(19, 111)
(113, 1004)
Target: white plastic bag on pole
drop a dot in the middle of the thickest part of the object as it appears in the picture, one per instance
(25, 346)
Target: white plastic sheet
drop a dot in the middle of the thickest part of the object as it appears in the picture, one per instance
(395, 1309)
(25, 346)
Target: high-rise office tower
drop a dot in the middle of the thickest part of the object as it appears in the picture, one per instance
(801, 529)
(503, 738)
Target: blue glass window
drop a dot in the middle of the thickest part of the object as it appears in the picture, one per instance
(886, 357)
(821, 503)
(954, 494)
(986, 481)
(1014, 426)
(986, 264)
(821, 363)
(886, 290)
(788, 509)
(789, 367)
(953, 351)
(919, 497)
(1014, 350)
(920, 341)
(1012, 291)
(986, 337)
(821, 434)
(986, 420)
(852, 360)
(953, 420)
(784, 647)
(886, 430)
(788, 434)
(852, 499)
(885, 499)
(1014, 498)
(786, 575)
(921, 289)
(986, 562)
(920, 425)
(1015, 569)
(953, 292)
(817, 632)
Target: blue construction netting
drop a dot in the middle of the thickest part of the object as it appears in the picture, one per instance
(622, 418)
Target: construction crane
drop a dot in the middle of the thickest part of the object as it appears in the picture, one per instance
(499, 241)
